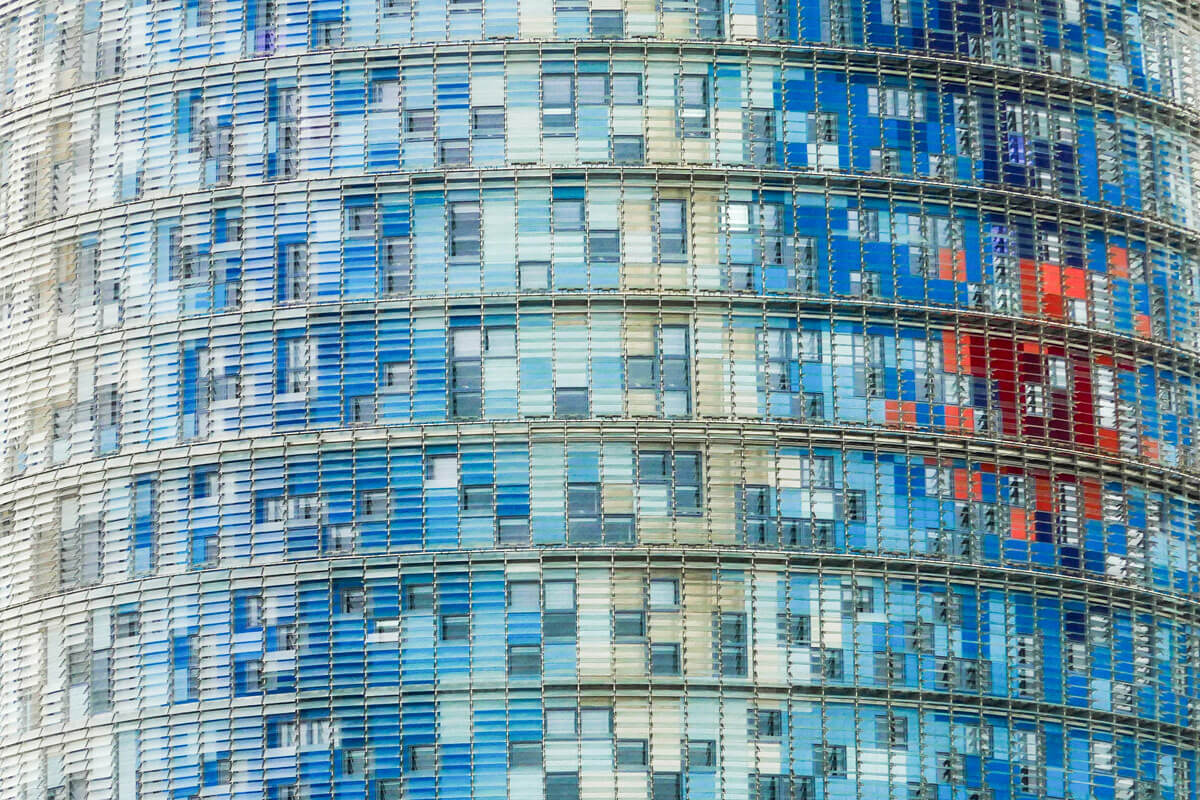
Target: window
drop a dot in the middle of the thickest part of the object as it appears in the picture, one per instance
(562, 786)
(558, 104)
(664, 593)
(466, 372)
(693, 109)
(679, 472)
(282, 116)
(604, 246)
(595, 723)
(961, 674)
(250, 677)
(891, 732)
(218, 771)
(629, 625)
(701, 753)
(295, 365)
(593, 90)
(672, 365)
(418, 597)
(108, 409)
(199, 14)
(829, 663)
(487, 122)
(558, 619)
(918, 637)
(1024, 660)
(618, 529)
(456, 627)
(524, 754)
(354, 764)
(761, 125)
(269, 510)
(1035, 399)
(419, 124)
(327, 34)
(608, 24)
(782, 366)
(947, 608)
(830, 760)
(77, 535)
(666, 786)
(567, 216)
(820, 472)
(813, 406)
(866, 222)
(281, 732)
(339, 538)
(287, 636)
(1103, 755)
(710, 19)
(583, 513)
(825, 127)
(854, 505)
(373, 504)
(125, 624)
(627, 89)
(454, 152)
(571, 403)
(771, 787)
(768, 723)
(353, 600)
(672, 230)
(776, 251)
(205, 482)
(387, 789)
(294, 272)
(534, 275)
(500, 341)
(795, 629)
(890, 667)
(396, 377)
(810, 345)
(628, 149)
(360, 221)
(631, 753)
(464, 230)
(524, 660)
(562, 723)
(1056, 369)
(513, 531)
(304, 509)
(641, 372)
(422, 757)
(664, 659)
(77, 667)
(251, 612)
(757, 516)
(477, 501)
(523, 596)
(189, 267)
(732, 650)
(385, 94)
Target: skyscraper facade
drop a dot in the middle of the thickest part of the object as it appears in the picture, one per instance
(600, 400)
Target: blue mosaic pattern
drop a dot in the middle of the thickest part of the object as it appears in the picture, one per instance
(599, 400)
(487, 107)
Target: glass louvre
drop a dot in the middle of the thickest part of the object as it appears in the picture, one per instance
(413, 399)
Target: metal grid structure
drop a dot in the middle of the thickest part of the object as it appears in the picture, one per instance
(600, 400)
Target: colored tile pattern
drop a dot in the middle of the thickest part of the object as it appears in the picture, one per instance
(600, 400)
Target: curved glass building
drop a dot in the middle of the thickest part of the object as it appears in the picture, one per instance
(600, 400)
